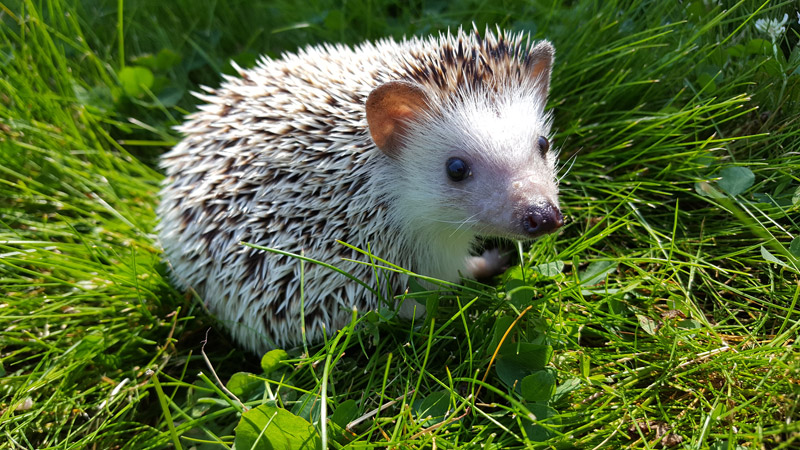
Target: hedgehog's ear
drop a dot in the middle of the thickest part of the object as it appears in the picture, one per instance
(541, 64)
(390, 107)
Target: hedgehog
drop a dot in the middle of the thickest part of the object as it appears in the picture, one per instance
(414, 149)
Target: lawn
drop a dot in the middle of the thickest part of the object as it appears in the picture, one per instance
(663, 314)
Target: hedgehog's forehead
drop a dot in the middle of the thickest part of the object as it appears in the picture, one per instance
(502, 118)
(500, 130)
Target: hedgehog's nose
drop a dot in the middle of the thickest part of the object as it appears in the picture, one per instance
(542, 218)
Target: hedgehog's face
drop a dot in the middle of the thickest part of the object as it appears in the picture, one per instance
(485, 164)
(477, 163)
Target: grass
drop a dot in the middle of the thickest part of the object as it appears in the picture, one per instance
(664, 313)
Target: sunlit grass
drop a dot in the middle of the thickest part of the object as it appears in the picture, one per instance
(668, 303)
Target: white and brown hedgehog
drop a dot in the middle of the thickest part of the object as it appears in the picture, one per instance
(412, 149)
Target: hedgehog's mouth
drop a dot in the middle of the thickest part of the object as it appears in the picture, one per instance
(529, 223)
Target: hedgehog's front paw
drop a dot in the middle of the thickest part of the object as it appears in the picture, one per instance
(489, 264)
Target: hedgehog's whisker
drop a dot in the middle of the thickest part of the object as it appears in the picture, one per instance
(459, 222)
(458, 190)
(468, 220)
(571, 162)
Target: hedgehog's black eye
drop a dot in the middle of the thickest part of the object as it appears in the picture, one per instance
(457, 169)
(544, 145)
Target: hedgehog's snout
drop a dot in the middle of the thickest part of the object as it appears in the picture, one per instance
(542, 218)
